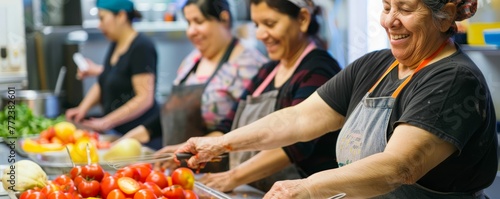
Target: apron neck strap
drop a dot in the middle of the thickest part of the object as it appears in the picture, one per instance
(422, 65)
(223, 60)
(271, 75)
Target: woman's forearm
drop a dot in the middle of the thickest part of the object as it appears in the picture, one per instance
(135, 107)
(262, 165)
(92, 98)
(286, 126)
(366, 178)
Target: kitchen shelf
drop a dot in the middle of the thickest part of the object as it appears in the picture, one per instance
(154, 26)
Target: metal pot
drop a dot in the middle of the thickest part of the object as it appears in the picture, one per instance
(42, 103)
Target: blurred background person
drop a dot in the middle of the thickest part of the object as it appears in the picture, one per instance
(209, 80)
(126, 83)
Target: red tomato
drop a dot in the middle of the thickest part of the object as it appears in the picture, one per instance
(26, 193)
(75, 171)
(128, 185)
(143, 172)
(184, 177)
(93, 171)
(106, 174)
(63, 179)
(173, 192)
(73, 195)
(57, 195)
(155, 188)
(107, 185)
(36, 195)
(115, 194)
(128, 172)
(148, 165)
(190, 194)
(158, 178)
(144, 194)
(65, 183)
(49, 188)
(78, 180)
(89, 188)
(48, 133)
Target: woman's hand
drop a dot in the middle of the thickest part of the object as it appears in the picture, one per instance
(92, 71)
(288, 189)
(75, 114)
(223, 181)
(170, 164)
(97, 124)
(204, 150)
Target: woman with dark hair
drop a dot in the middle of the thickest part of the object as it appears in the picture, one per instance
(126, 83)
(209, 80)
(288, 30)
(417, 119)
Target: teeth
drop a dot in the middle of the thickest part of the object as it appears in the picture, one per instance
(397, 37)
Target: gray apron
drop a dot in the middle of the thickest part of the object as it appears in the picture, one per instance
(253, 108)
(181, 116)
(364, 134)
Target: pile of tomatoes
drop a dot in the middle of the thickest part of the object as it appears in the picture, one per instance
(137, 181)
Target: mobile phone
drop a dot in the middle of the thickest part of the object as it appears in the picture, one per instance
(80, 61)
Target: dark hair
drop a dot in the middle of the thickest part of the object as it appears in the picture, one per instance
(212, 8)
(438, 14)
(292, 10)
(132, 15)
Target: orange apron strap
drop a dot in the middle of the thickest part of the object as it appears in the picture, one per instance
(420, 66)
(393, 65)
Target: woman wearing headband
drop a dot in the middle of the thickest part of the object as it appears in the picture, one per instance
(417, 119)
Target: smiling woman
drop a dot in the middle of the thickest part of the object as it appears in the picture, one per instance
(417, 119)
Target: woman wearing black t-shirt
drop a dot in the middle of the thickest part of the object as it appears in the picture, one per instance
(126, 85)
(417, 120)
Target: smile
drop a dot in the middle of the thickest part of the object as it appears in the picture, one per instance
(398, 37)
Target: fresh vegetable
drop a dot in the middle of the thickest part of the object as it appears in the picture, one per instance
(24, 122)
(128, 185)
(190, 194)
(89, 188)
(184, 177)
(174, 192)
(93, 171)
(24, 175)
(125, 148)
(158, 178)
(65, 131)
(108, 184)
(144, 194)
(115, 194)
(92, 182)
(78, 151)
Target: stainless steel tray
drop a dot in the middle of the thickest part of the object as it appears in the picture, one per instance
(205, 192)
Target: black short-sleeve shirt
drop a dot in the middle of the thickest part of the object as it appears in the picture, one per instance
(116, 81)
(449, 98)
